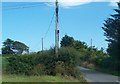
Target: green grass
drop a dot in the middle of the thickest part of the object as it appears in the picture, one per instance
(22, 78)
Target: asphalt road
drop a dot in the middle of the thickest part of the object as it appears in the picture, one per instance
(95, 76)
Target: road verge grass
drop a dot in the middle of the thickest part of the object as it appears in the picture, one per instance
(44, 78)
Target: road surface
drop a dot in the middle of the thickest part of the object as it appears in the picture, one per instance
(95, 76)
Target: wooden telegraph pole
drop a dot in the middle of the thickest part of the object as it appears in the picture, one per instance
(56, 31)
(42, 46)
(91, 43)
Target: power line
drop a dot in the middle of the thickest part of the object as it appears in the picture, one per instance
(21, 6)
(28, 6)
(46, 31)
(49, 26)
(36, 45)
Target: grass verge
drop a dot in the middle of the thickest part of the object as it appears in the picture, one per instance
(46, 78)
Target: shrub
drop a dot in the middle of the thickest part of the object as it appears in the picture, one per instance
(60, 68)
(49, 63)
(84, 64)
(50, 52)
(72, 71)
(76, 72)
(39, 70)
(44, 64)
(91, 66)
(68, 55)
(20, 64)
(69, 70)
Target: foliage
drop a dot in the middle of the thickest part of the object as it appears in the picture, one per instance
(68, 55)
(39, 69)
(60, 67)
(43, 64)
(20, 47)
(14, 47)
(67, 41)
(112, 32)
(78, 45)
(68, 70)
(49, 63)
(89, 57)
(7, 47)
(20, 64)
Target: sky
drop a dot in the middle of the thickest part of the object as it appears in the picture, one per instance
(83, 21)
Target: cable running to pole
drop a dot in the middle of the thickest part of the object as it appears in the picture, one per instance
(49, 26)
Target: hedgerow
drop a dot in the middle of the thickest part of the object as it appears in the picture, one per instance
(44, 63)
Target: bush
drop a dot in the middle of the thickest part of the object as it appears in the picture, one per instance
(72, 71)
(20, 64)
(49, 63)
(69, 56)
(39, 70)
(91, 66)
(30, 64)
(45, 64)
(60, 68)
(76, 72)
(84, 64)
(67, 70)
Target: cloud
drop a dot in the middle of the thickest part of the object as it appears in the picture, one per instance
(113, 4)
(70, 3)
(66, 3)
(73, 2)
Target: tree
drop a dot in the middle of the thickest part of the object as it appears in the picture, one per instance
(20, 47)
(7, 47)
(112, 32)
(67, 41)
(78, 45)
(14, 47)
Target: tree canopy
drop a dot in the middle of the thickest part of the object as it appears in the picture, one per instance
(67, 41)
(7, 47)
(112, 32)
(14, 47)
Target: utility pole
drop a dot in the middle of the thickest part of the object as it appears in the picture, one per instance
(56, 31)
(91, 42)
(42, 46)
